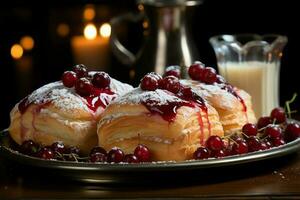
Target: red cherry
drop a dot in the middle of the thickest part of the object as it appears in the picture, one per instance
(201, 153)
(80, 70)
(149, 83)
(170, 83)
(83, 87)
(69, 79)
(273, 131)
(263, 122)
(250, 129)
(253, 144)
(263, 146)
(239, 147)
(278, 141)
(142, 153)
(130, 158)
(45, 153)
(115, 155)
(97, 157)
(214, 143)
(292, 131)
(101, 80)
(155, 75)
(196, 70)
(219, 153)
(278, 114)
(209, 75)
(268, 144)
(98, 150)
(58, 147)
(173, 71)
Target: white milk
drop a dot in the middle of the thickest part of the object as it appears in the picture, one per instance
(259, 79)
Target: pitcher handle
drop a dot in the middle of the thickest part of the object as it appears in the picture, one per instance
(121, 52)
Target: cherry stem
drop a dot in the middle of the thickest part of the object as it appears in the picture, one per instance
(287, 105)
(245, 135)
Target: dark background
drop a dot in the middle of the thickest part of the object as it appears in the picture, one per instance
(51, 54)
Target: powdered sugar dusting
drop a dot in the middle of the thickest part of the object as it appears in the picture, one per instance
(67, 99)
(158, 97)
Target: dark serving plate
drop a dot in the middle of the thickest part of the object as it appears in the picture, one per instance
(120, 173)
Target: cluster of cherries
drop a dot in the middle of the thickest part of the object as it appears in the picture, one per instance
(58, 151)
(84, 83)
(55, 151)
(116, 155)
(270, 131)
(208, 75)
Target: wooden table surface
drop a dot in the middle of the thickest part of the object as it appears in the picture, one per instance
(274, 179)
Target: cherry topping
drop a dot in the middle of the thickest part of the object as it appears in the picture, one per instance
(278, 114)
(101, 80)
(263, 122)
(69, 79)
(142, 153)
(214, 143)
(173, 71)
(29, 147)
(170, 83)
(80, 70)
(273, 131)
(115, 155)
(130, 158)
(209, 75)
(45, 153)
(278, 141)
(292, 131)
(196, 70)
(253, 144)
(58, 147)
(201, 153)
(97, 157)
(83, 87)
(98, 150)
(250, 129)
(239, 147)
(187, 92)
(149, 82)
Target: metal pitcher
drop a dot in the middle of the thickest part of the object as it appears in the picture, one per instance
(169, 41)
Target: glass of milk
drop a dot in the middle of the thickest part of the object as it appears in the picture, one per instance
(252, 63)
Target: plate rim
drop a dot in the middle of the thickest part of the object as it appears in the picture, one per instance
(274, 152)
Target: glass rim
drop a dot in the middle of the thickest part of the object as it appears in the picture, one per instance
(230, 38)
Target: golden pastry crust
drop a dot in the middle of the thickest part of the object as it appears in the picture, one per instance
(56, 113)
(126, 125)
(231, 110)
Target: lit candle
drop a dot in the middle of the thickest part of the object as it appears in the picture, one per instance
(92, 50)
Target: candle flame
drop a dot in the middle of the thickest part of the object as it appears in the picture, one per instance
(16, 51)
(105, 30)
(90, 32)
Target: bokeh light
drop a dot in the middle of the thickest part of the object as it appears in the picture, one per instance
(16, 51)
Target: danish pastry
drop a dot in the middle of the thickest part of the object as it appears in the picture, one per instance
(171, 125)
(233, 105)
(55, 112)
